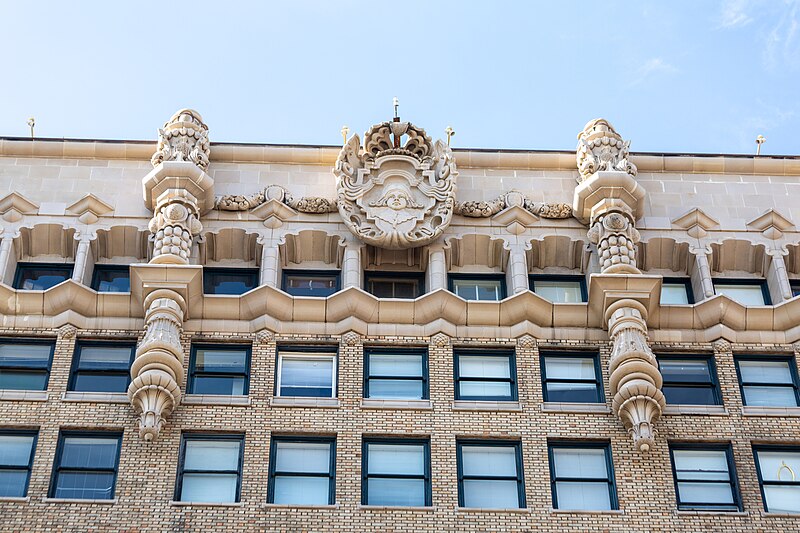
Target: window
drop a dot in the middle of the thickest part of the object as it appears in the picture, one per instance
(485, 375)
(396, 472)
(229, 280)
(571, 378)
(582, 476)
(485, 287)
(559, 289)
(210, 468)
(746, 292)
(676, 291)
(490, 475)
(25, 364)
(394, 284)
(795, 284)
(102, 367)
(40, 276)
(778, 468)
(306, 372)
(219, 370)
(705, 477)
(16, 459)
(396, 374)
(310, 282)
(689, 379)
(86, 466)
(768, 381)
(301, 471)
(111, 278)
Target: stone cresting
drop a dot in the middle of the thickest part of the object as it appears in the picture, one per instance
(310, 204)
(396, 195)
(483, 209)
(183, 138)
(600, 147)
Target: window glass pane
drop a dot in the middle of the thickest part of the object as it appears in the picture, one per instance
(500, 461)
(221, 282)
(94, 382)
(484, 389)
(33, 278)
(572, 392)
(677, 395)
(307, 376)
(220, 360)
(393, 287)
(580, 462)
(85, 485)
(25, 355)
(782, 498)
(765, 371)
(701, 464)
(396, 458)
(310, 285)
(105, 357)
(569, 367)
(209, 488)
(483, 366)
(22, 380)
(381, 289)
(301, 490)
(685, 370)
(108, 280)
(583, 495)
(211, 455)
(708, 493)
(674, 294)
(15, 450)
(744, 294)
(303, 457)
(478, 289)
(384, 364)
(13, 483)
(405, 492)
(228, 386)
(559, 291)
(89, 452)
(770, 396)
(771, 464)
(408, 389)
(495, 494)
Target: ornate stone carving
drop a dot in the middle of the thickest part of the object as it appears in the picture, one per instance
(67, 331)
(157, 369)
(616, 237)
(440, 340)
(264, 336)
(175, 223)
(395, 195)
(351, 338)
(600, 147)
(183, 138)
(310, 204)
(526, 341)
(635, 379)
(722, 346)
(480, 209)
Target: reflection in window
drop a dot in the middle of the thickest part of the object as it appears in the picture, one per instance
(16, 460)
(477, 287)
(40, 276)
(676, 291)
(745, 292)
(25, 365)
(310, 283)
(559, 289)
(406, 285)
(768, 381)
(571, 378)
(232, 281)
(86, 466)
(689, 380)
(219, 369)
(703, 477)
(111, 278)
(102, 367)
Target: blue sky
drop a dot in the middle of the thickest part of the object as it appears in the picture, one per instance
(677, 76)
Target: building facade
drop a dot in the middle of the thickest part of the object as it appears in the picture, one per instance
(396, 336)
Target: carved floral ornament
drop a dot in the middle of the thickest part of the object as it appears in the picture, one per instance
(183, 138)
(309, 204)
(482, 209)
(600, 147)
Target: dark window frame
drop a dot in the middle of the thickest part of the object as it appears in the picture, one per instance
(520, 477)
(788, 359)
(29, 468)
(57, 470)
(560, 277)
(772, 448)
(489, 352)
(611, 480)
(795, 285)
(336, 274)
(46, 369)
(75, 366)
(424, 377)
(273, 459)
(310, 349)
(185, 437)
(733, 480)
(208, 287)
(712, 370)
(598, 375)
(686, 282)
(426, 476)
(103, 267)
(403, 275)
(744, 281)
(21, 266)
(193, 372)
(465, 276)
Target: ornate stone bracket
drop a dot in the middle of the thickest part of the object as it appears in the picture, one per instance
(309, 204)
(481, 209)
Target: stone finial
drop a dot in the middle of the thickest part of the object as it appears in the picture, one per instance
(351, 338)
(264, 336)
(183, 138)
(440, 340)
(67, 331)
(600, 147)
(526, 341)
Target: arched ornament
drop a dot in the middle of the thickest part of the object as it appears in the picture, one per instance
(395, 194)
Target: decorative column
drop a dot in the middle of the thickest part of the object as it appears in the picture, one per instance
(437, 268)
(6, 244)
(351, 265)
(701, 276)
(82, 255)
(268, 273)
(517, 277)
(610, 200)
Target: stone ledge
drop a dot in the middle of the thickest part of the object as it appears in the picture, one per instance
(489, 405)
(24, 395)
(324, 403)
(556, 407)
(709, 410)
(595, 512)
(396, 508)
(216, 399)
(767, 514)
(513, 510)
(711, 513)
(751, 410)
(79, 500)
(372, 403)
(18, 499)
(95, 397)
(174, 503)
(298, 506)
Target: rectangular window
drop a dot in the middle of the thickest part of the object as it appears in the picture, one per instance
(86, 466)
(16, 459)
(102, 366)
(778, 468)
(689, 379)
(490, 475)
(310, 282)
(676, 291)
(396, 374)
(301, 471)
(306, 372)
(582, 476)
(795, 284)
(705, 477)
(746, 292)
(768, 381)
(396, 472)
(219, 369)
(407, 285)
(559, 288)
(571, 378)
(111, 278)
(229, 280)
(483, 287)
(25, 364)
(485, 375)
(210, 468)
(41, 276)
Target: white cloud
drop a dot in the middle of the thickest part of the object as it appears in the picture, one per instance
(734, 13)
(652, 67)
(781, 45)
